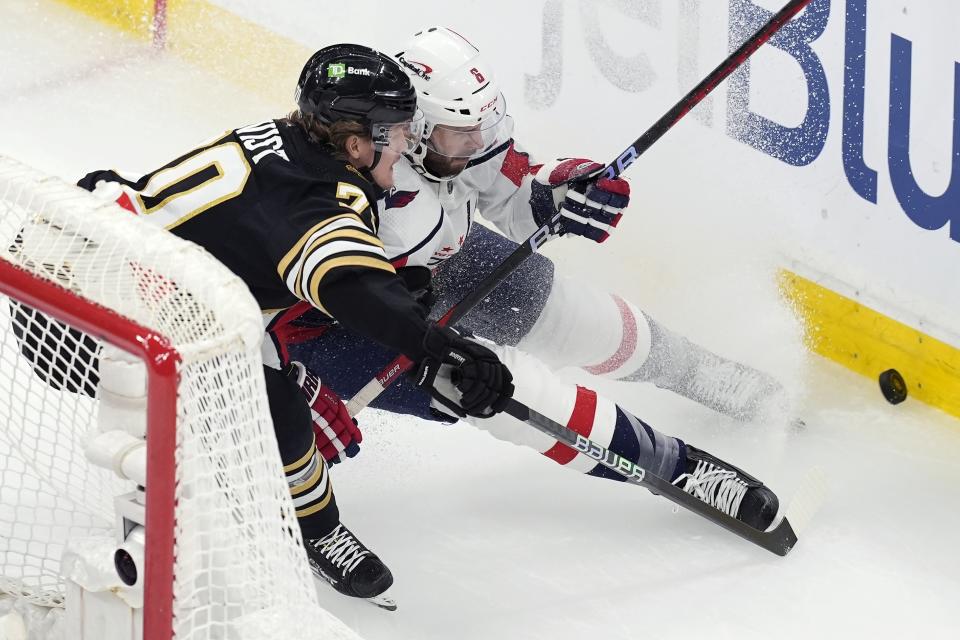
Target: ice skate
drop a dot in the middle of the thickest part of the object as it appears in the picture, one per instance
(732, 388)
(348, 566)
(724, 486)
(728, 387)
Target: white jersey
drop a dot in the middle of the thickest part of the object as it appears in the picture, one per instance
(424, 222)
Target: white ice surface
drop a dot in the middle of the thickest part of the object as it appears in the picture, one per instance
(490, 541)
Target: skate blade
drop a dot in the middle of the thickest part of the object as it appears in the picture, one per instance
(384, 602)
(807, 500)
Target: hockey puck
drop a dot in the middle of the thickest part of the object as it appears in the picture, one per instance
(893, 386)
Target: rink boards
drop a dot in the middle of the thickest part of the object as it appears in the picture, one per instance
(836, 139)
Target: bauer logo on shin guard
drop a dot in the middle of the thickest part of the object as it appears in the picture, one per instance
(629, 469)
(608, 458)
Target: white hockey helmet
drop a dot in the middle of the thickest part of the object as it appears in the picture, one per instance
(464, 111)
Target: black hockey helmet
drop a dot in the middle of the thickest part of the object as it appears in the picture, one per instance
(353, 82)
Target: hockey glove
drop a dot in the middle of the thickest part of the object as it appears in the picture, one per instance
(588, 205)
(455, 366)
(337, 434)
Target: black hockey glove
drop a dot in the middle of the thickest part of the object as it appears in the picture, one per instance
(484, 383)
(418, 283)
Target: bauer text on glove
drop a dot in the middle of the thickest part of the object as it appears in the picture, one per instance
(464, 376)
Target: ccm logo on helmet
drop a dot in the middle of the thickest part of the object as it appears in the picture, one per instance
(489, 104)
(418, 68)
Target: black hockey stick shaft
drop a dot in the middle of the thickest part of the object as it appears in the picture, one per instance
(779, 540)
(640, 146)
(401, 364)
(702, 90)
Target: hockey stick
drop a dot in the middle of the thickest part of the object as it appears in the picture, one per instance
(702, 90)
(779, 540)
(401, 364)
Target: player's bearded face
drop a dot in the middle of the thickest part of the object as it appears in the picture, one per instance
(449, 149)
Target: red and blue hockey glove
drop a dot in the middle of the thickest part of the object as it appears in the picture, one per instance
(337, 434)
(589, 206)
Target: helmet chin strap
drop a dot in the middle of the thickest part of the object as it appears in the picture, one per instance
(368, 172)
(377, 155)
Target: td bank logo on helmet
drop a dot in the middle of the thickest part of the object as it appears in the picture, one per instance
(339, 70)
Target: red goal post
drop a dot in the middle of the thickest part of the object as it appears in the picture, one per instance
(223, 557)
(161, 361)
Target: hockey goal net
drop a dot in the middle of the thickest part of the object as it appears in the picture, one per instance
(222, 556)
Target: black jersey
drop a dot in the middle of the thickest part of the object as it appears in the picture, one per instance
(293, 222)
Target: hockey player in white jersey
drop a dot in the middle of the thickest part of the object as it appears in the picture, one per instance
(468, 162)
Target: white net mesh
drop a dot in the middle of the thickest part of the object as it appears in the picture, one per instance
(240, 569)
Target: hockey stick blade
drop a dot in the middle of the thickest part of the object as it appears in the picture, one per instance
(779, 540)
(807, 499)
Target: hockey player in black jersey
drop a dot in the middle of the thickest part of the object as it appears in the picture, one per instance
(426, 221)
(289, 205)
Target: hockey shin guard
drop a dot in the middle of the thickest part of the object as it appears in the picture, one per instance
(584, 411)
(305, 469)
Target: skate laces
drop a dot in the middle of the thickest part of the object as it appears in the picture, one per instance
(341, 548)
(718, 487)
